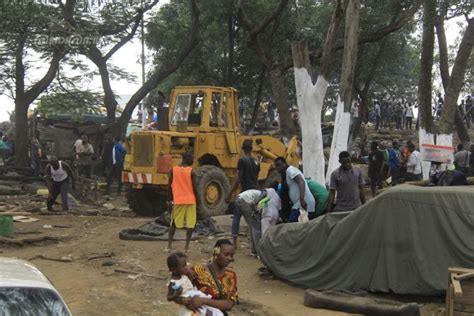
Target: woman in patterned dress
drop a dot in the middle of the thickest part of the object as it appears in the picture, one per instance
(216, 280)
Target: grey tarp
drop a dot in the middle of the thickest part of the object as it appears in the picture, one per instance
(402, 242)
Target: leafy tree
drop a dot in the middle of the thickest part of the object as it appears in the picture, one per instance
(74, 103)
(27, 30)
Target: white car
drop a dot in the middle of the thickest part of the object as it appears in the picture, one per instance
(24, 290)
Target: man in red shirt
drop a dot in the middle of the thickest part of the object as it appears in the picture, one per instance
(182, 197)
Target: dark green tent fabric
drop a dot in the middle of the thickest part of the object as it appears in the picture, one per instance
(402, 242)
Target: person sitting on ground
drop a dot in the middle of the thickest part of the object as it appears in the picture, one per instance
(376, 164)
(215, 279)
(58, 174)
(321, 196)
(182, 197)
(299, 192)
(180, 287)
(348, 182)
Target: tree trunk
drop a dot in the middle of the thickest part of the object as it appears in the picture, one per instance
(343, 115)
(310, 100)
(287, 126)
(426, 132)
(364, 94)
(456, 79)
(231, 47)
(21, 133)
(109, 97)
(426, 64)
(258, 99)
(461, 129)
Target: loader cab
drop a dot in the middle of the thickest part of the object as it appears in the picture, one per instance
(205, 109)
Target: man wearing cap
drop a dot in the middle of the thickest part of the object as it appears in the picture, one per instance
(58, 174)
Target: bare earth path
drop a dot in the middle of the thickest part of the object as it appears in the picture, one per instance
(92, 289)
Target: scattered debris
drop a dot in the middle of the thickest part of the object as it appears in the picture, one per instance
(356, 304)
(29, 241)
(44, 257)
(140, 273)
(109, 206)
(24, 219)
(101, 255)
(111, 262)
(133, 277)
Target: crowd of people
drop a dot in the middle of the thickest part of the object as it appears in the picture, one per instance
(212, 289)
(203, 288)
(399, 113)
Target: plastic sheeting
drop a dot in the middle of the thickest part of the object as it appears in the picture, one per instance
(402, 242)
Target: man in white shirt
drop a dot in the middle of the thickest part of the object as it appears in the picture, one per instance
(414, 164)
(299, 192)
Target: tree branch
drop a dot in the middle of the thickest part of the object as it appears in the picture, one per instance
(330, 43)
(106, 31)
(125, 39)
(400, 21)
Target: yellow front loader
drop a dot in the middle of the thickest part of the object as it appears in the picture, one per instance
(203, 120)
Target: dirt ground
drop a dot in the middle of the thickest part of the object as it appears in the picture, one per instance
(89, 288)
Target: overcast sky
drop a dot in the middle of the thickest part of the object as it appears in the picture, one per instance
(128, 58)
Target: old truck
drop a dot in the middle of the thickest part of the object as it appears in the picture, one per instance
(202, 120)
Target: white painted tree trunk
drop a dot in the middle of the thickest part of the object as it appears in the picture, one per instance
(441, 140)
(340, 137)
(310, 100)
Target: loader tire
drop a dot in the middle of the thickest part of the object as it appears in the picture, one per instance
(212, 187)
(146, 201)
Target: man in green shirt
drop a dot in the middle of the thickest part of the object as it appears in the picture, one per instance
(321, 196)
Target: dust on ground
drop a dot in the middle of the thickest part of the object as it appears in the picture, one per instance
(90, 288)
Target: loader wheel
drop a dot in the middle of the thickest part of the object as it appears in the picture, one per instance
(212, 187)
(146, 201)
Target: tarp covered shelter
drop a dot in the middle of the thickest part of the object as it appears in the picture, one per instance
(403, 242)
